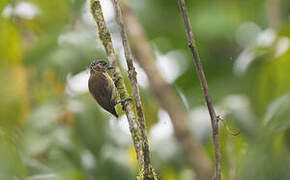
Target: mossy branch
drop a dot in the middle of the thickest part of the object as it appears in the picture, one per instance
(105, 37)
(147, 168)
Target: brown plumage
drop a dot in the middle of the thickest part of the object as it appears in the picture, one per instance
(102, 87)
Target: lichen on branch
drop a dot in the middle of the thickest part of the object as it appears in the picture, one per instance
(105, 37)
(147, 167)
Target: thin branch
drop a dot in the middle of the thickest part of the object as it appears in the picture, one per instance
(105, 37)
(148, 171)
(274, 13)
(199, 69)
(167, 97)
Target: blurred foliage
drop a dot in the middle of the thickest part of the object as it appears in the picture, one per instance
(51, 131)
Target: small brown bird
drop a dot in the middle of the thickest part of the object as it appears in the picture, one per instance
(102, 87)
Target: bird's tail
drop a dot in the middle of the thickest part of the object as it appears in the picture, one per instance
(115, 113)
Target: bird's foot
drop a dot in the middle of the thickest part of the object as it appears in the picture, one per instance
(124, 101)
(110, 67)
(117, 81)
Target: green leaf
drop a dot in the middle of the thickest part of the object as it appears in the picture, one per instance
(267, 79)
(277, 117)
(10, 44)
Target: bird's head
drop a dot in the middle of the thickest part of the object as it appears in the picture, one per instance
(99, 66)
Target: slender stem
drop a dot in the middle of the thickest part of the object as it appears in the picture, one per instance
(199, 69)
(167, 97)
(274, 13)
(148, 171)
(105, 37)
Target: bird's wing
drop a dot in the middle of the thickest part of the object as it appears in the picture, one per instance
(103, 90)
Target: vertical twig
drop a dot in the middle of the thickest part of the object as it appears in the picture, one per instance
(148, 171)
(105, 37)
(167, 97)
(274, 13)
(199, 69)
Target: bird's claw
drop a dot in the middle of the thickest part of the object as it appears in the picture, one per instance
(110, 67)
(124, 101)
(117, 81)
